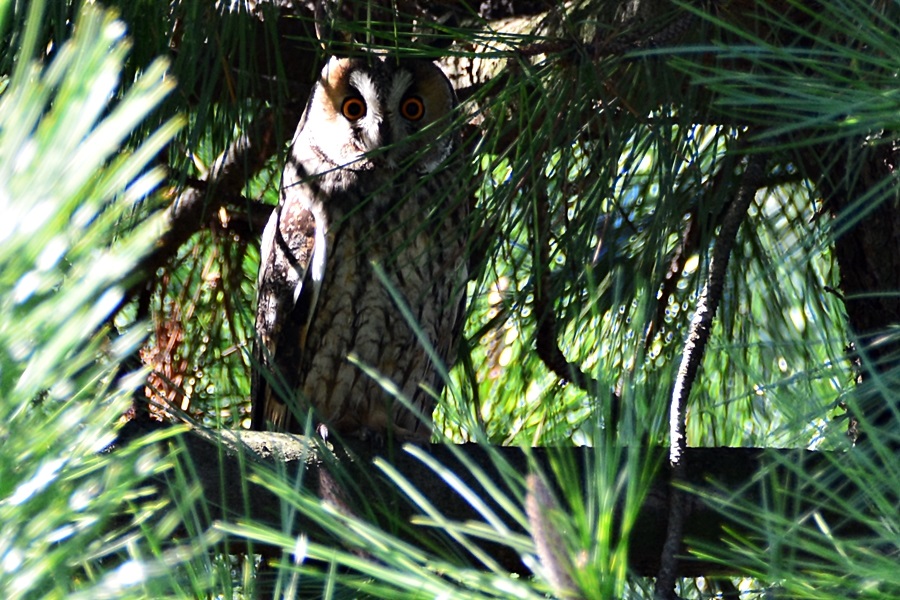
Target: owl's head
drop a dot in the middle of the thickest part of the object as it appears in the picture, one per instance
(380, 112)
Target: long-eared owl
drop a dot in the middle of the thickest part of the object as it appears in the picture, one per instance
(372, 177)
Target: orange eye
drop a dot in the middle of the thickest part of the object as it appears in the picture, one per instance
(353, 108)
(412, 108)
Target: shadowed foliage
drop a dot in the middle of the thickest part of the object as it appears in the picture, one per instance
(141, 148)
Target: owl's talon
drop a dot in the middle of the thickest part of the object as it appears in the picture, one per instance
(373, 437)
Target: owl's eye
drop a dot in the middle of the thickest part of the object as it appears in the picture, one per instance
(412, 108)
(353, 108)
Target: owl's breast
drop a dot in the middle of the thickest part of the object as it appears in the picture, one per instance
(357, 315)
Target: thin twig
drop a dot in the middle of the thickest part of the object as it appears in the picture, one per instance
(637, 36)
(547, 337)
(690, 245)
(691, 357)
(690, 240)
(644, 36)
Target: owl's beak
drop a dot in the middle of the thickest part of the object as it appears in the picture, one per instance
(378, 152)
(384, 133)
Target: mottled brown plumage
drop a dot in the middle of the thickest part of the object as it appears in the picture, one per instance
(370, 178)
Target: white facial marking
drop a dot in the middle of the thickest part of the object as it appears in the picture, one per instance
(399, 87)
(369, 124)
(402, 80)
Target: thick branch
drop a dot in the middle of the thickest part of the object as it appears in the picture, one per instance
(224, 182)
(193, 209)
(724, 473)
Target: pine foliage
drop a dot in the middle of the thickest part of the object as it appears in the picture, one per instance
(598, 181)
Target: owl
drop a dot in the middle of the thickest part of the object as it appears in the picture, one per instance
(372, 177)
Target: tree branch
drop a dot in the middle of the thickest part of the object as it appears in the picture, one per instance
(547, 337)
(698, 336)
(222, 187)
(718, 476)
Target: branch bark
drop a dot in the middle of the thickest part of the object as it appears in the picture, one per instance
(717, 476)
(222, 186)
(859, 185)
(694, 348)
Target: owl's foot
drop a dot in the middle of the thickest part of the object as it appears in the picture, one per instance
(373, 437)
(406, 436)
(378, 438)
(368, 435)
